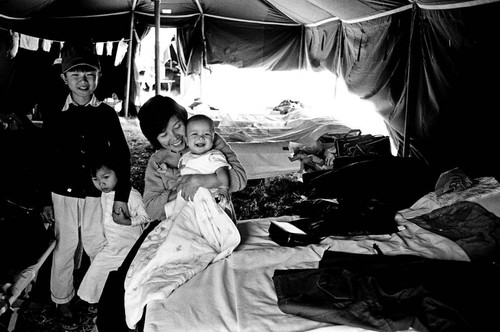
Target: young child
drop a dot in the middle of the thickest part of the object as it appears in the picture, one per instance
(77, 129)
(202, 159)
(121, 234)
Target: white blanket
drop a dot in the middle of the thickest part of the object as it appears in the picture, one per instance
(196, 234)
(237, 293)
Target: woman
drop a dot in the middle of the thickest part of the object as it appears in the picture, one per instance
(162, 122)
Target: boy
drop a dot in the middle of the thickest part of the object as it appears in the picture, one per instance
(78, 130)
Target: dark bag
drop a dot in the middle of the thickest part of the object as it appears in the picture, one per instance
(325, 217)
(353, 143)
(347, 217)
(299, 232)
(397, 181)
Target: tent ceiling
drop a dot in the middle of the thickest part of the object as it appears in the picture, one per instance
(110, 19)
(424, 64)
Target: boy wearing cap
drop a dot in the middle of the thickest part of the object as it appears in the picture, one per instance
(79, 129)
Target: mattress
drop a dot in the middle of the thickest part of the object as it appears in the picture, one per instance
(237, 293)
(262, 141)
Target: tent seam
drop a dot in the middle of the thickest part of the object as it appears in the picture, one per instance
(472, 3)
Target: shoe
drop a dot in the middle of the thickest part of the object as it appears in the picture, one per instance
(93, 308)
(67, 320)
(69, 323)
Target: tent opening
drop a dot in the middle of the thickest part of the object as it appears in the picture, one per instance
(226, 89)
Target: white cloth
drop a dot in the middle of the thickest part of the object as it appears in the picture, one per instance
(99, 47)
(14, 44)
(71, 214)
(28, 42)
(206, 163)
(120, 52)
(176, 250)
(46, 45)
(238, 294)
(120, 239)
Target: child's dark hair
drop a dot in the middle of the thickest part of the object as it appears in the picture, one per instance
(100, 161)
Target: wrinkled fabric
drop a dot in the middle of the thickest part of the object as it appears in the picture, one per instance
(471, 226)
(198, 234)
(392, 293)
(452, 180)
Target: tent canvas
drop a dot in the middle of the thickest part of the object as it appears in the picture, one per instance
(424, 63)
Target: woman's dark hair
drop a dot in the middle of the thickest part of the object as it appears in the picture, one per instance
(155, 114)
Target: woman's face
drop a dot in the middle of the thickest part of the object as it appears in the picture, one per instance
(173, 137)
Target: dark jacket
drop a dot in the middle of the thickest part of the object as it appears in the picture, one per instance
(75, 137)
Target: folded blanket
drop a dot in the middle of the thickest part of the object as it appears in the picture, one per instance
(196, 235)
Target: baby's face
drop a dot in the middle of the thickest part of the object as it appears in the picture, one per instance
(200, 137)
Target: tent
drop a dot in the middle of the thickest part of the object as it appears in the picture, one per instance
(429, 66)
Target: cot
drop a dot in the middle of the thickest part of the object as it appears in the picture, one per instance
(262, 141)
(247, 290)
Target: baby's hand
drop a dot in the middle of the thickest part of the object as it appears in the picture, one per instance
(222, 197)
(161, 168)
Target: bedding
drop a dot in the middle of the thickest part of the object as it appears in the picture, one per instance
(393, 293)
(262, 141)
(195, 234)
(237, 292)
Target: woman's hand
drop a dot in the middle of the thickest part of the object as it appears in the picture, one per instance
(48, 214)
(189, 184)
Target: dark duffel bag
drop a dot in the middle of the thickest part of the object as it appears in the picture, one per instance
(353, 143)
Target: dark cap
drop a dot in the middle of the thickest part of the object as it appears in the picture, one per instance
(79, 54)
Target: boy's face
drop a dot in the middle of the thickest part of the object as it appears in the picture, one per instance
(200, 137)
(105, 179)
(82, 82)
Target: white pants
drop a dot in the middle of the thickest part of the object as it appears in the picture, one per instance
(71, 216)
(120, 239)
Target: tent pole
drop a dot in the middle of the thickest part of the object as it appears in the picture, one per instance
(157, 47)
(129, 66)
(409, 93)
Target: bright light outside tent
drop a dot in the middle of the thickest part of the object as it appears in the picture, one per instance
(252, 90)
(255, 90)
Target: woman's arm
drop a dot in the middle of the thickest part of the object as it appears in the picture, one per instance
(158, 188)
(237, 174)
